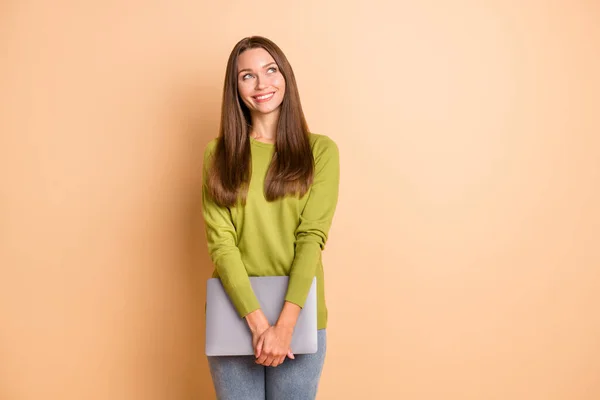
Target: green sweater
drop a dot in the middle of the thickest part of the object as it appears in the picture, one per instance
(283, 237)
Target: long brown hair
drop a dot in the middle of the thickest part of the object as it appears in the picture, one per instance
(292, 167)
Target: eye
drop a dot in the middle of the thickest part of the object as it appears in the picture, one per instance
(246, 76)
(272, 69)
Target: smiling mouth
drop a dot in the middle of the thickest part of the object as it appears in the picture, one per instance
(263, 97)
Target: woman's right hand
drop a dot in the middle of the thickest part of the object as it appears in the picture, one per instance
(258, 324)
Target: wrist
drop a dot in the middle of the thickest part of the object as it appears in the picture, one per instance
(257, 321)
(289, 316)
(285, 326)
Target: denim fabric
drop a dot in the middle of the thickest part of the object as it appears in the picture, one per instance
(239, 378)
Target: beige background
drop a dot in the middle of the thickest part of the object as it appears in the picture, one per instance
(464, 259)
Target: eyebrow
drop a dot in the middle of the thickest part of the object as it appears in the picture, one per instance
(249, 70)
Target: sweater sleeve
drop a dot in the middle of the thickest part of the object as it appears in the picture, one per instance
(315, 221)
(221, 238)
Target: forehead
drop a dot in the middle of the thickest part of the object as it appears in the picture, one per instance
(254, 59)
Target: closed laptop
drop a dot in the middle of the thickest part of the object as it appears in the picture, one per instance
(228, 335)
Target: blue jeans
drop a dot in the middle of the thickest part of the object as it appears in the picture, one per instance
(240, 378)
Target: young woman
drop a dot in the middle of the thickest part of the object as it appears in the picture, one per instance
(270, 191)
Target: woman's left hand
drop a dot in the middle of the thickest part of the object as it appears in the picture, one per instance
(274, 345)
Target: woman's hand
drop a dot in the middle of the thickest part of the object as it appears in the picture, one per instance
(274, 345)
(258, 324)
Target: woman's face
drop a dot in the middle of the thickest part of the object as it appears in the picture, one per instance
(261, 85)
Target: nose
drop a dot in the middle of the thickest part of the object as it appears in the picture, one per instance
(260, 83)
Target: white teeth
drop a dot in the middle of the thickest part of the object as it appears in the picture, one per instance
(266, 96)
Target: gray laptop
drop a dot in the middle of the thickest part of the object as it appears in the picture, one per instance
(228, 335)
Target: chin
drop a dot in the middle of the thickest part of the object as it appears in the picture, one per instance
(269, 110)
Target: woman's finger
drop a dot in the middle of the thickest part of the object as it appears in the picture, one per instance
(266, 360)
(264, 354)
(259, 346)
(262, 358)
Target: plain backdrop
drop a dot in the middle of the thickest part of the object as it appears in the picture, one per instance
(464, 258)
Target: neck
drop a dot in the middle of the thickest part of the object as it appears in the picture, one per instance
(264, 127)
